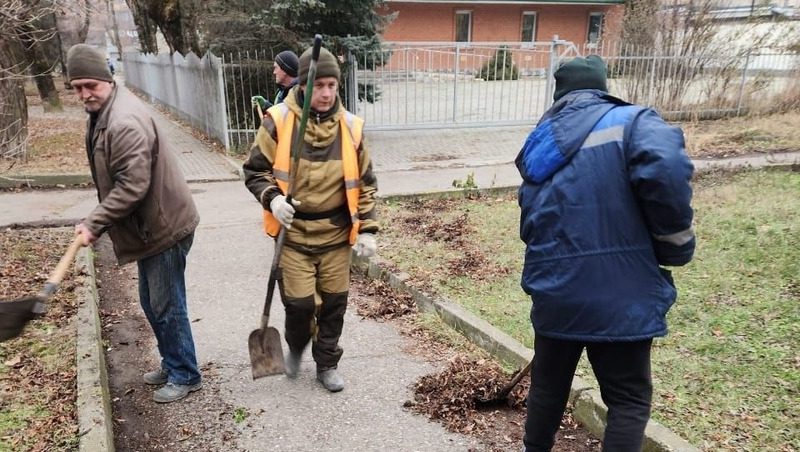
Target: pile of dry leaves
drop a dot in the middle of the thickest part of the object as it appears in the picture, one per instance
(38, 375)
(375, 299)
(451, 395)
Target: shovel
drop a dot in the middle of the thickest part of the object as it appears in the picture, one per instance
(15, 314)
(501, 398)
(264, 344)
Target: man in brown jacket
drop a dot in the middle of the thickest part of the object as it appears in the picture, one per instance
(333, 208)
(147, 210)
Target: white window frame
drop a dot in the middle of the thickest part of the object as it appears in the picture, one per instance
(602, 17)
(535, 25)
(468, 13)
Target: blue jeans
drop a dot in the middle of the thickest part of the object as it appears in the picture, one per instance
(162, 294)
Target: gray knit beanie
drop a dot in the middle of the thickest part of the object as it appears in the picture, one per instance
(84, 61)
(580, 73)
(327, 65)
(287, 60)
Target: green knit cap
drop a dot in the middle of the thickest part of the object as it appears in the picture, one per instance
(84, 61)
(327, 65)
(580, 73)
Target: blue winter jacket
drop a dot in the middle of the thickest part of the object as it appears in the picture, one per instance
(605, 201)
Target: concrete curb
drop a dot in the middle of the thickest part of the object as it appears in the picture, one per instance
(236, 166)
(45, 180)
(94, 401)
(589, 409)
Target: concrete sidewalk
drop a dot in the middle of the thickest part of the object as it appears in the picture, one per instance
(226, 274)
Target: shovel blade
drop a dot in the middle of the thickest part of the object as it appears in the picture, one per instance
(266, 356)
(498, 401)
(14, 315)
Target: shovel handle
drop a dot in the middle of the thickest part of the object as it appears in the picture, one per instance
(273, 276)
(301, 129)
(63, 265)
(524, 371)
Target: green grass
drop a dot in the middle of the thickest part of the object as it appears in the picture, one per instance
(15, 417)
(727, 377)
(27, 406)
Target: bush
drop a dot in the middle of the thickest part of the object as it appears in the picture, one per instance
(500, 67)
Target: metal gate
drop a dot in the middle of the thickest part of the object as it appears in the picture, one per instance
(415, 85)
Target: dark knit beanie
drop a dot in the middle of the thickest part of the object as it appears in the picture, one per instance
(287, 60)
(84, 61)
(327, 66)
(580, 73)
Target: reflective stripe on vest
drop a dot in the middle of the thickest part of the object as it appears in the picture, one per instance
(351, 128)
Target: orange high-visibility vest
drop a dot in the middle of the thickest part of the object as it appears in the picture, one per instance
(351, 127)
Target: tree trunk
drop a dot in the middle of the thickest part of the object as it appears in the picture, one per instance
(41, 69)
(114, 27)
(144, 25)
(13, 107)
(177, 21)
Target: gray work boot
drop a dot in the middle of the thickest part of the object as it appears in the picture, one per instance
(292, 362)
(155, 377)
(331, 379)
(172, 392)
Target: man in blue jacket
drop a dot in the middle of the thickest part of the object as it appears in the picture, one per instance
(605, 204)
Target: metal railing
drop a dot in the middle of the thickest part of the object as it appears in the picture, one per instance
(446, 85)
(714, 82)
(436, 84)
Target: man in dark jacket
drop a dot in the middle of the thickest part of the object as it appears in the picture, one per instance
(147, 210)
(605, 203)
(285, 71)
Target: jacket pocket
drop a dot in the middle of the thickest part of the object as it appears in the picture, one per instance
(138, 227)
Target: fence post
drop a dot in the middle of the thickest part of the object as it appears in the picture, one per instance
(741, 85)
(651, 93)
(551, 70)
(220, 63)
(352, 82)
(455, 80)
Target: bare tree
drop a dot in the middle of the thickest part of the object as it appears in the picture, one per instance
(675, 47)
(43, 57)
(176, 20)
(18, 21)
(28, 40)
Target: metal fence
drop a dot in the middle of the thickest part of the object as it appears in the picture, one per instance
(715, 82)
(465, 84)
(445, 85)
(435, 84)
(246, 74)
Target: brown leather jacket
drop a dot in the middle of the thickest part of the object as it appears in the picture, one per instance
(145, 203)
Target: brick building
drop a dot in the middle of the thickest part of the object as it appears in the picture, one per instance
(578, 21)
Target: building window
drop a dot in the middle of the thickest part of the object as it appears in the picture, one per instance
(463, 26)
(528, 26)
(595, 31)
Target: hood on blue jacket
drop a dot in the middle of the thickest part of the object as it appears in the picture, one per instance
(561, 131)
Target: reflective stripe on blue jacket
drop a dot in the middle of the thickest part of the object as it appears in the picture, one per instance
(605, 200)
